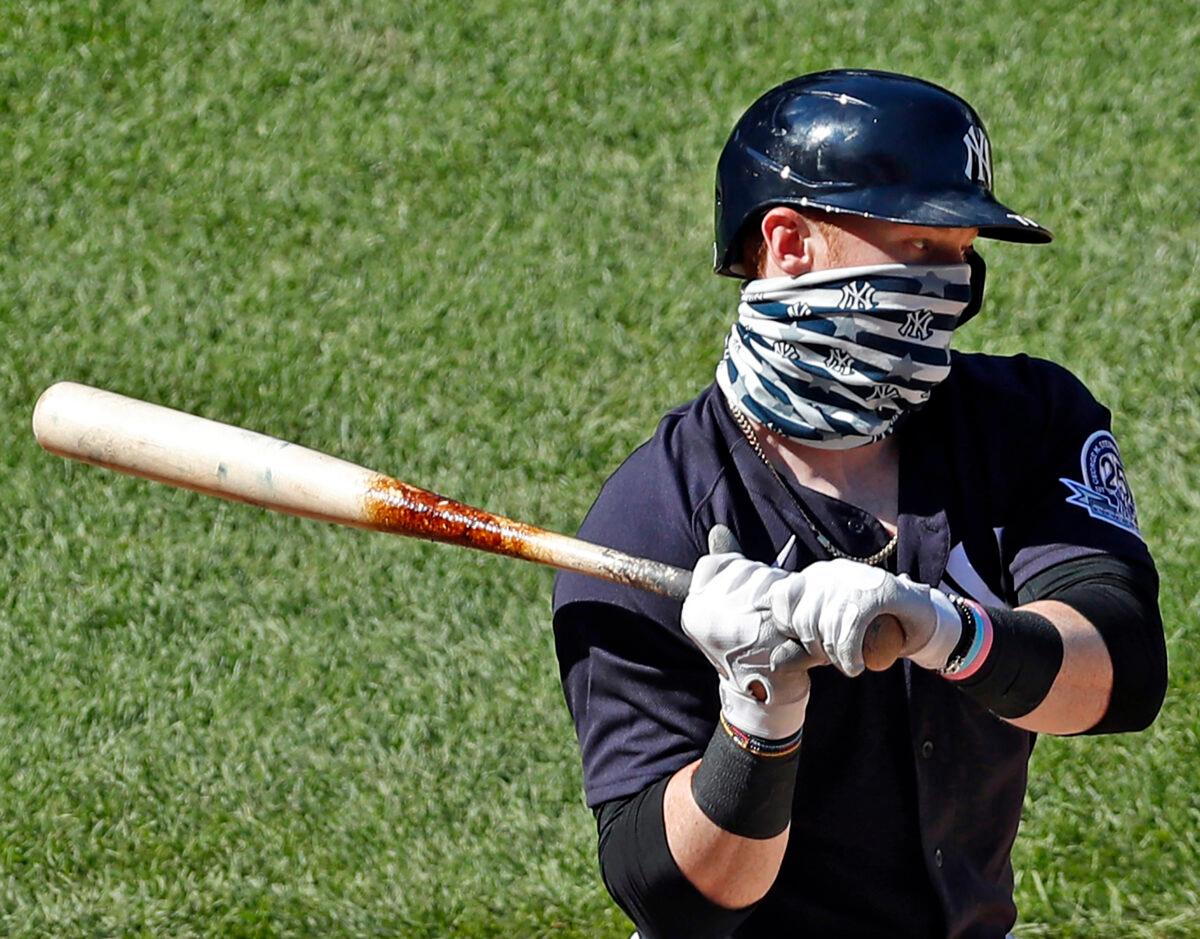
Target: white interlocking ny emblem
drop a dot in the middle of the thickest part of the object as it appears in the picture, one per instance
(979, 156)
(839, 361)
(884, 400)
(918, 324)
(858, 296)
(798, 309)
(785, 349)
(883, 393)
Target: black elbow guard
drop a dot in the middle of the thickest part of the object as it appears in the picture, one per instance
(1121, 600)
(642, 876)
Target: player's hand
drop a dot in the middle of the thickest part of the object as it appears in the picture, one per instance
(830, 604)
(764, 675)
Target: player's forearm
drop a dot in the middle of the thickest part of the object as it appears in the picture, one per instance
(1080, 694)
(730, 870)
(726, 816)
(1085, 654)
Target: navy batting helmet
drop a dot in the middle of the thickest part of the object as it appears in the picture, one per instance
(873, 144)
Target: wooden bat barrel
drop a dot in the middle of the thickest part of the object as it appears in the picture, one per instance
(180, 449)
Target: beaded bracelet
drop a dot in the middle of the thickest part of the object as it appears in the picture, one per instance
(771, 749)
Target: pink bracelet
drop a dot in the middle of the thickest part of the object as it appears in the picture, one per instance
(961, 668)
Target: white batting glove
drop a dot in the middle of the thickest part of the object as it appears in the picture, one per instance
(830, 604)
(727, 614)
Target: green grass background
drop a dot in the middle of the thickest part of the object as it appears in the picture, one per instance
(468, 243)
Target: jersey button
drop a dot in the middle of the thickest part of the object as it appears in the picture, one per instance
(937, 857)
(927, 749)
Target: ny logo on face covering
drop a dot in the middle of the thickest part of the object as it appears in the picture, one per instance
(786, 349)
(883, 397)
(979, 157)
(918, 324)
(839, 361)
(857, 296)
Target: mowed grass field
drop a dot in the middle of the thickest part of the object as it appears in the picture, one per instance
(468, 244)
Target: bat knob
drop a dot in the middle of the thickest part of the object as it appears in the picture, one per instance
(883, 643)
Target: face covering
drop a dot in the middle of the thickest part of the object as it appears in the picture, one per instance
(835, 358)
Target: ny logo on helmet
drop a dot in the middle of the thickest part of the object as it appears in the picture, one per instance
(979, 156)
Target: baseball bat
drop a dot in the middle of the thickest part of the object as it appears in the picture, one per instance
(168, 446)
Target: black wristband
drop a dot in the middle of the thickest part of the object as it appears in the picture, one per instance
(744, 785)
(1015, 656)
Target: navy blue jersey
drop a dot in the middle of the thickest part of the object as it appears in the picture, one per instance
(1010, 469)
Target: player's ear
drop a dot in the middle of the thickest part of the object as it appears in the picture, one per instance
(790, 241)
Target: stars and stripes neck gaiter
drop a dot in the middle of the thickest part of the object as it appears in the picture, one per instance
(834, 358)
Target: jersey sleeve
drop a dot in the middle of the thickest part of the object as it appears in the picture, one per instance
(1075, 499)
(642, 697)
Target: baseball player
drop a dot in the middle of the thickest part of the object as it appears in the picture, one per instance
(749, 777)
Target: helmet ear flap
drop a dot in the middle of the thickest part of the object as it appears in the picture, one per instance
(978, 277)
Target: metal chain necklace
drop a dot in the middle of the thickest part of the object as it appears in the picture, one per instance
(878, 557)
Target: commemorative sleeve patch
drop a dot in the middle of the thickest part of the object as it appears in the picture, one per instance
(1104, 492)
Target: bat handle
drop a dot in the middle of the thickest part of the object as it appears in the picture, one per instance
(883, 643)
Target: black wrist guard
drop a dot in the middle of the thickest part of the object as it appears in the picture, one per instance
(744, 785)
(1006, 660)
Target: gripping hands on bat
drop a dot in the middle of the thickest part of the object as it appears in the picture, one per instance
(728, 614)
(763, 628)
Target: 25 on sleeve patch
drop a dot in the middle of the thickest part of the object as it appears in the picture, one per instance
(1104, 492)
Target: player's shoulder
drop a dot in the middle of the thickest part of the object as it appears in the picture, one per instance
(1020, 389)
(1007, 376)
